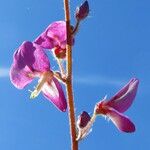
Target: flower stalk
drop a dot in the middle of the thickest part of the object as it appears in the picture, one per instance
(84, 131)
(62, 70)
(71, 110)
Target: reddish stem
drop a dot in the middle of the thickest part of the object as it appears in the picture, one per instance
(71, 111)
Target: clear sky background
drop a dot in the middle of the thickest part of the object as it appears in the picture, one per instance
(113, 45)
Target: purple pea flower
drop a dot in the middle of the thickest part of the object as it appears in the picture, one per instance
(54, 37)
(118, 104)
(30, 62)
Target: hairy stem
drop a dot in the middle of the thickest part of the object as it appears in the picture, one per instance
(71, 111)
(62, 70)
(85, 131)
(59, 77)
(75, 30)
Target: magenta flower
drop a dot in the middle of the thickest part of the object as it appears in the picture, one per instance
(54, 37)
(30, 62)
(118, 104)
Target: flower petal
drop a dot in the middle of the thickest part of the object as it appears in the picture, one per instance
(28, 59)
(121, 121)
(19, 71)
(34, 57)
(124, 98)
(53, 92)
(57, 31)
(53, 36)
(44, 41)
(19, 77)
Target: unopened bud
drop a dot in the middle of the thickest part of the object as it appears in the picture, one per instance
(82, 11)
(83, 119)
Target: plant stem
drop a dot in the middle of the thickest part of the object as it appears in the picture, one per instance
(75, 30)
(59, 77)
(62, 70)
(71, 111)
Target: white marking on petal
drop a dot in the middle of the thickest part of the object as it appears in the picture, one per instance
(51, 89)
(130, 88)
(47, 76)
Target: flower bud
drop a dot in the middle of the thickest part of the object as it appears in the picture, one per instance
(82, 11)
(83, 119)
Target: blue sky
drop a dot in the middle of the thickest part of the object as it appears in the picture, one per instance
(111, 47)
